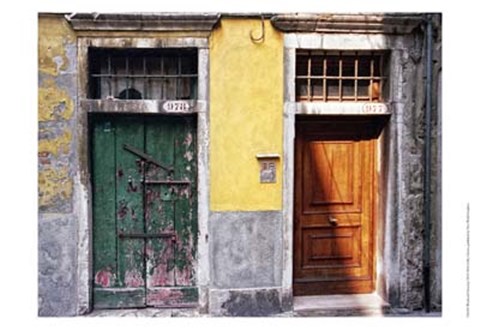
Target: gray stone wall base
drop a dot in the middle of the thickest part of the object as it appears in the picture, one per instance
(248, 302)
(57, 283)
(245, 249)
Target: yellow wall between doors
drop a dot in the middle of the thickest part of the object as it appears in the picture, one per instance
(246, 106)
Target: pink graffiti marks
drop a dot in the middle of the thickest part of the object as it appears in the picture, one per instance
(123, 210)
(159, 272)
(188, 139)
(164, 297)
(148, 206)
(133, 278)
(184, 270)
(183, 276)
(188, 156)
(160, 276)
(103, 278)
(153, 209)
(149, 253)
(183, 192)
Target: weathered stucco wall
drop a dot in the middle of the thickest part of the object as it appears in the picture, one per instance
(246, 88)
(57, 226)
(404, 193)
(436, 187)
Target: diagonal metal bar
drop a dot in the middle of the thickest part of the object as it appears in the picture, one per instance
(145, 156)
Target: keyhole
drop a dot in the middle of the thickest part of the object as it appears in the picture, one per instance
(130, 182)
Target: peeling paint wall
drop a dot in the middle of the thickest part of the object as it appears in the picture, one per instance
(246, 94)
(57, 89)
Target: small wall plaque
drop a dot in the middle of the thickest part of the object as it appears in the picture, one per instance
(268, 167)
(268, 171)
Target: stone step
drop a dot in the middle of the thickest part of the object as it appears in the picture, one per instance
(341, 305)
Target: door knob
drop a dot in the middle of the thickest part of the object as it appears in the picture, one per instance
(333, 221)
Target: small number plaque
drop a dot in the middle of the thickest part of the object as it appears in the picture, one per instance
(374, 108)
(176, 106)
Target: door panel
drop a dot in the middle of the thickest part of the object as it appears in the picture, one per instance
(144, 211)
(326, 248)
(129, 195)
(334, 218)
(338, 166)
(330, 162)
(104, 208)
(185, 203)
(159, 211)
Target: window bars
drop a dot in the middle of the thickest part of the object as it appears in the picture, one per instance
(154, 74)
(339, 76)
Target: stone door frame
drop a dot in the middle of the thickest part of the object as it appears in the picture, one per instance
(389, 190)
(85, 106)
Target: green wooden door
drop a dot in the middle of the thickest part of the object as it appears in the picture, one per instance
(144, 211)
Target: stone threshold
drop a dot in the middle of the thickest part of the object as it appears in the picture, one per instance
(370, 304)
(146, 312)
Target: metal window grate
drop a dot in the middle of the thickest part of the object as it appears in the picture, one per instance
(155, 74)
(339, 76)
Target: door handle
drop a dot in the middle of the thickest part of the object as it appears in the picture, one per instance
(333, 221)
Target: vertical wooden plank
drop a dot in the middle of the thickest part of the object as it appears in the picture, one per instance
(370, 89)
(104, 236)
(356, 77)
(130, 218)
(309, 75)
(381, 97)
(340, 74)
(159, 212)
(185, 211)
(324, 77)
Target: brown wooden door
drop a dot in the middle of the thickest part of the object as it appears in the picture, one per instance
(334, 214)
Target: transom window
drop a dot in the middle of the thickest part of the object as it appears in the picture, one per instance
(339, 76)
(149, 74)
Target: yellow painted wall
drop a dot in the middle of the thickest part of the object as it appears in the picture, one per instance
(246, 106)
(53, 34)
(55, 112)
